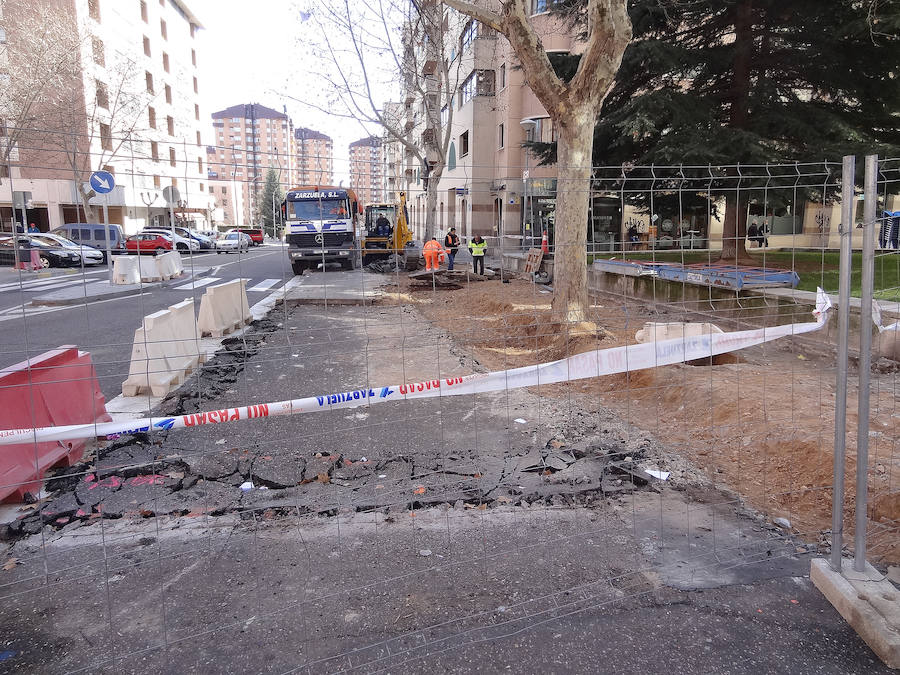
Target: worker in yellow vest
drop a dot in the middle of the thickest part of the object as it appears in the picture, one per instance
(477, 247)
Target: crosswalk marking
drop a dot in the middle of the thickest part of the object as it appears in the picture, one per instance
(45, 282)
(196, 283)
(264, 285)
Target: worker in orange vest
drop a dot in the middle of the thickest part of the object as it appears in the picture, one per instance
(434, 254)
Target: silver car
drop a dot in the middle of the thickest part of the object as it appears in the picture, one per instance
(89, 254)
(233, 242)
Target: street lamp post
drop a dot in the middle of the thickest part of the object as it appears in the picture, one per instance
(148, 198)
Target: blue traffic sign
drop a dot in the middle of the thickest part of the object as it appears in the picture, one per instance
(102, 182)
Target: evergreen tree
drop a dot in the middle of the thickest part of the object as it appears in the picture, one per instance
(263, 201)
(723, 82)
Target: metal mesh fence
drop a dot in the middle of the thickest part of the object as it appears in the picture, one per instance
(395, 534)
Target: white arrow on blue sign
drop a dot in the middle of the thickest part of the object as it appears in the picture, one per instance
(102, 182)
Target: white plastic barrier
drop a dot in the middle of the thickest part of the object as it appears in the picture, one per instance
(224, 308)
(657, 332)
(166, 348)
(125, 270)
(147, 268)
(169, 264)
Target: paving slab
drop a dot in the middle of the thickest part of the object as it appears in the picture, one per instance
(359, 287)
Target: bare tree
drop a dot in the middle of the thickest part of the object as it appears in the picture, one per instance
(364, 49)
(573, 106)
(39, 66)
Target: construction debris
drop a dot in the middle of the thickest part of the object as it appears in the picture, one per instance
(448, 278)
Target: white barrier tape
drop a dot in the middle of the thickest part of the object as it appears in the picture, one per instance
(578, 367)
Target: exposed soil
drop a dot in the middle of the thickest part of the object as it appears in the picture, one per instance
(760, 423)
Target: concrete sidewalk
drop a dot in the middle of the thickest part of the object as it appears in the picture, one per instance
(78, 294)
(359, 287)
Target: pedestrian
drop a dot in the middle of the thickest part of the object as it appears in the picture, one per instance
(24, 254)
(763, 235)
(477, 247)
(753, 233)
(433, 253)
(33, 229)
(451, 243)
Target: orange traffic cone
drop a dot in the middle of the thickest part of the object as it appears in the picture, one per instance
(545, 245)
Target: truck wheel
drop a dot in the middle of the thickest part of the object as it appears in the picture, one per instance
(298, 267)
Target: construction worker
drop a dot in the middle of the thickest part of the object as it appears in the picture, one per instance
(476, 248)
(434, 254)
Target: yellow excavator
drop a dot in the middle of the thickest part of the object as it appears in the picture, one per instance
(387, 232)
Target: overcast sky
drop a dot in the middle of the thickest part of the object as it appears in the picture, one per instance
(248, 53)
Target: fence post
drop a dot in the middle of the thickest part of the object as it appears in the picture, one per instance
(865, 362)
(845, 230)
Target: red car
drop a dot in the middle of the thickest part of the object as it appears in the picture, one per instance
(148, 242)
(255, 234)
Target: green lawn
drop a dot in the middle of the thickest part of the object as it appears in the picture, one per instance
(815, 268)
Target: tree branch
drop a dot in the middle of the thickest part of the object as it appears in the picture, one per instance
(482, 14)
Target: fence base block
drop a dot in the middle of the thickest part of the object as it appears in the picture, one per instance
(867, 601)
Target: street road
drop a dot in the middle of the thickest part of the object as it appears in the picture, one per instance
(106, 328)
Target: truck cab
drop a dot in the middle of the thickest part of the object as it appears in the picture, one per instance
(321, 226)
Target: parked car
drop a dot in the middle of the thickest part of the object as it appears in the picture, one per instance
(89, 254)
(94, 234)
(206, 243)
(182, 244)
(255, 234)
(149, 242)
(50, 256)
(234, 241)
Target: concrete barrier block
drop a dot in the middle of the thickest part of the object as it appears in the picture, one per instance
(185, 336)
(867, 601)
(224, 308)
(657, 332)
(125, 270)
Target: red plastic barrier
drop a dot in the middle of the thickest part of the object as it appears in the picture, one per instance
(58, 387)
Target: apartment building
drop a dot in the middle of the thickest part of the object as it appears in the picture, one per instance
(248, 140)
(393, 151)
(366, 169)
(313, 157)
(132, 108)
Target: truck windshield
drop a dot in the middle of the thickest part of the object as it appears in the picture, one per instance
(314, 209)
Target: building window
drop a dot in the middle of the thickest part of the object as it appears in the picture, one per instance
(165, 62)
(501, 136)
(168, 94)
(156, 182)
(470, 32)
(539, 6)
(464, 144)
(172, 160)
(170, 125)
(467, 90)
(502, 76)
(451, 157)
(163, 30)
(199, 165)
(194, 57)
(105, 136)
(198, 139)
(174, 182)
(99, 56)
(224, 190)
(196, 111)
(202, 188)
(151, 113)
(94, 9)
(102, 95)
(154, 151)
(193, 29)
(196, 86)
(109, 169)
(146, 46)
(149, 77)
(144, 17)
